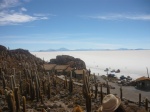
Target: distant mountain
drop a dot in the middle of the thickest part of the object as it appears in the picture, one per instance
(62, 49)
(132, 49)
(123, 49)
(49, 50)
(65, 49)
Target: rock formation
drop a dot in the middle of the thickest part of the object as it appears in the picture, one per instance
(2, 48)
(69, 60)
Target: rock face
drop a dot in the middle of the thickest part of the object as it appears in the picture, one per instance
(69, 60)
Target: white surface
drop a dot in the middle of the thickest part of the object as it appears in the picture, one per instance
(131, 62)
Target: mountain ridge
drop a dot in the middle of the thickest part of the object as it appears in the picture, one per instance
(65, 49)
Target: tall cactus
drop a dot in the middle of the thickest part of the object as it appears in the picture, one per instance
(54, 81)
(86, 91)
(121, 92)
(101, 93)
(65, 83)
(14, 77)
(108, 88)
(139, 99)
(146, 104)
(49, 90)
(17, 99)
(14, 81)
(11, 83)
(96, 90)
(24, 103)
(43, 85)
(10, 100)
(33, 91)
(4, 82)
(70, 83)
(37, 88)
(20, 82)
(42, 99)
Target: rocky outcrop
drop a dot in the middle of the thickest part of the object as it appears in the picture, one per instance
(69, 60)
(19, 59)
(2, 48)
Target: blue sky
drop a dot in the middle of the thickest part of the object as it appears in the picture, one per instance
(74, 24)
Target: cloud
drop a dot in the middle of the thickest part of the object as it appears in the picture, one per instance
(13, 17)
(23, 9)
(122, 17)
(8, 3)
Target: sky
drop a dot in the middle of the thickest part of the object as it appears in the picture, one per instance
(75, 24)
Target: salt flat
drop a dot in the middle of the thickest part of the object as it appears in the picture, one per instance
(130, 62)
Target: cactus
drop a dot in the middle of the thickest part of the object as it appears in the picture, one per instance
(33, 91)
(87, 92)
(11, 83)
(48, 76)
(139, 99)
(95, 78)
(49, 90)
(101, 93)
(11, 101)
(54, 81)
(27, 88)
(43, 84)
(121, 92)
(146, 104)
(108, 88)
(37, 88)
(24, 103)
(96, 90)
(42, 102)
(20, 82)
(89, 72)
(17, 99)
(4, 82)
(70, 83)
(65, 83)
(14, 78)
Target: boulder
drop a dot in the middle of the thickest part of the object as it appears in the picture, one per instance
(68, 60)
